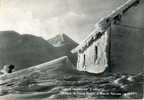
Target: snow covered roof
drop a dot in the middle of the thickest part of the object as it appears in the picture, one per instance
(103, 24)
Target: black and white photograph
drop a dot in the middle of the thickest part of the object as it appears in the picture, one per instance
(71, 49)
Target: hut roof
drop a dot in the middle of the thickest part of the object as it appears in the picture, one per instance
(103, 24)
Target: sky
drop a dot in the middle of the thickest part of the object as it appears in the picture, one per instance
(47, 18)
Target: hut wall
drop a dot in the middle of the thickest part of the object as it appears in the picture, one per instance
(94, 58)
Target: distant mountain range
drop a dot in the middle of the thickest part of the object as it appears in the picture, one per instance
(27, 50)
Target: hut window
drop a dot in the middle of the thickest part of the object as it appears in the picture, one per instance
(96, 53)
(84, 60)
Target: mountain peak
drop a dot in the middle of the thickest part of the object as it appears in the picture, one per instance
(60, 40)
